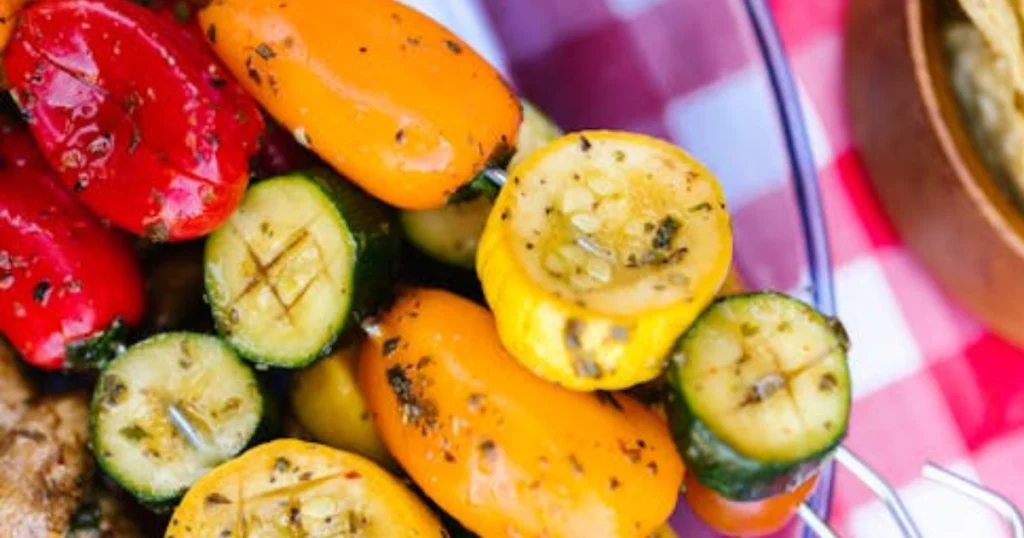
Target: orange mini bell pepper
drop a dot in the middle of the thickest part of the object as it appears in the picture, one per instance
(501, 450)
(387, 96)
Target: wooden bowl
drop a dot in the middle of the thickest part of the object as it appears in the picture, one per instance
(948, 207)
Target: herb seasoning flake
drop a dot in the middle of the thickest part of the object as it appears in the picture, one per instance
(265, 51)
(390, 346)
(666, 232)
(454, 47)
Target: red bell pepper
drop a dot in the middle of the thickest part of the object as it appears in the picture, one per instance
(136, 115)
(69, 286)
(279, 153)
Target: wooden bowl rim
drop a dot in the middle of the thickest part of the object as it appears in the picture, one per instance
(933, 81)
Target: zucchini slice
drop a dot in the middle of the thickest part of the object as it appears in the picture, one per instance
(536, 131)
(759, 394)
(294, 488)
(171, 408)
(450, 234)
(602, 248)
(303, 256)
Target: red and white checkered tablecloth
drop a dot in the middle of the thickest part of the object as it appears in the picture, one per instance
(931, 383)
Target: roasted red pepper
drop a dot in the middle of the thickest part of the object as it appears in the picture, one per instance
(69, 286)
(279, 153)
(138, 117)
(180, 15)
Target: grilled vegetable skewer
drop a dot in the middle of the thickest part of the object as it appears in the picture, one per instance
(759, 394)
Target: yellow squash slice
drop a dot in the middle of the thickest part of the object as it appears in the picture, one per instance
(289, 488)
(327, 402)
(602, 248)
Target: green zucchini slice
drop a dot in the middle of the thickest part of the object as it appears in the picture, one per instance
(303, 256)
(170, 409)
(759, 394)
(450, 234)
(534, 133)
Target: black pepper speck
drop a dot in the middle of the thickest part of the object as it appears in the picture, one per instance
(41, 292)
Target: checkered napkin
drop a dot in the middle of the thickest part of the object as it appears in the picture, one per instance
(930, 382)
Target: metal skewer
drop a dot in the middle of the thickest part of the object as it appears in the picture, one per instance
(896, 507)
(993, 500)
(873, 480)
(815, 523)
(497, 176)
(185, 428)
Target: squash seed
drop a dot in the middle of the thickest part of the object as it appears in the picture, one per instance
(554, 264)
(582, 282)
(600, 270)
(576, 199)
(586, 223)
(604, 186)
(573, 254)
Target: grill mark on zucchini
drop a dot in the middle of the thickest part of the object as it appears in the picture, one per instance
(777, 376)
(263, 271)
(302, 292)
(787, 379)
(264, 277)
(323, 272)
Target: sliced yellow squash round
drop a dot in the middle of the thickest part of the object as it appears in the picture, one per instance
(327, 402)
(291, 488)
(602, 248)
